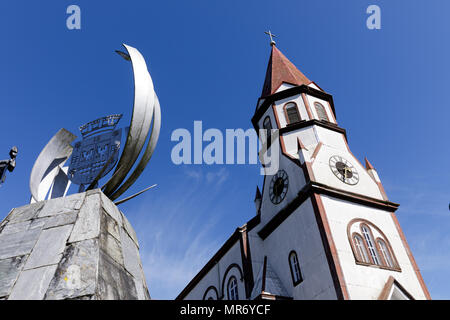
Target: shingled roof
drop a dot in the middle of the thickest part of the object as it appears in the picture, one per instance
(281, 70)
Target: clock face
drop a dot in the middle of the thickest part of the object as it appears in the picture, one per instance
(278, 186)
(344, 170)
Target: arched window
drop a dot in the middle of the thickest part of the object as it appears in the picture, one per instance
(211, 294)
(385, 253)
(291, 112)
(321, 113)
(268, 126)
(232, 289)
(295, 268)
(370, 246)
(360, 248)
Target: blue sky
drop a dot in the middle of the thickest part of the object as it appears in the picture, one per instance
(208, 60)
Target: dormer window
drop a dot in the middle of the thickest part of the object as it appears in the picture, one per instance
(321, 112)
(291, 112)
(370, 246)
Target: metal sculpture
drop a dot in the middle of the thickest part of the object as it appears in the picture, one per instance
(95, 156)
(8, 164)
(98, 152)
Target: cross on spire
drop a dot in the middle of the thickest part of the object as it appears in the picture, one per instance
(271, 35)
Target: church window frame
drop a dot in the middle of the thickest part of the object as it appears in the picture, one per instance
(386, 253)
(232, 288)
(374, 254)
(321, 111)
(268, 129)
(211, 293)
(361, 249)
(380, 245)
(290, 115)
(294, 265)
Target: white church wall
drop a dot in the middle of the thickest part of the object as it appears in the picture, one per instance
(279, 107)
(215, 276)
(312, 100)
(300, 232)
(308, 137)
(366, 282)
(257, 251)
(323, 174)
(313, 85)
(285, 86)
(296, 183)
(331, 138)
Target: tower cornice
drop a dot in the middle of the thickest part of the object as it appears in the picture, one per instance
(307, 123)
(261, 109)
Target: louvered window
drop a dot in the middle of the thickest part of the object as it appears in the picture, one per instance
(292, 113)
(321, 113)
(268, 126)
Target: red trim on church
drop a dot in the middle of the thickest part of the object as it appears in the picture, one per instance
(410, 256)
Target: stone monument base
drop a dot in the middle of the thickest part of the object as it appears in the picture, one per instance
(75, 247)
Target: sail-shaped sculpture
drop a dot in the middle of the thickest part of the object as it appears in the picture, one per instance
(88, 165)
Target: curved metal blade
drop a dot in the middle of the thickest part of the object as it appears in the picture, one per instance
(56, 151)
(147, 153)
(140, 121)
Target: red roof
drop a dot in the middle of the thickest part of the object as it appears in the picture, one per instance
(280, 70)
(369, 166)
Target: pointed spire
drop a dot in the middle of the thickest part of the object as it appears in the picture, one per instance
(258, 199)
(280, 70)
(300, 145)
(369, 166)
(258, 194)
(302, 152)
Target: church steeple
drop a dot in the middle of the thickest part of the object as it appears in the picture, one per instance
(281, 70)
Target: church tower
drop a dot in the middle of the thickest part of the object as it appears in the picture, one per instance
(324, 226)
(346, 229)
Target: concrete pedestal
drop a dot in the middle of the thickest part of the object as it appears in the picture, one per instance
(75, 247)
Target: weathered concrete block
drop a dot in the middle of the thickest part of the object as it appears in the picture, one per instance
(18, 244)
(32, 284)
(49, 248)
(129, 229)
(79, 247)
(76, 275)
(61, 219)
(111, 209)
(87, 225)
(16, 227)
(115, 283)
(62, 205)
(9, 271)
(24, 213)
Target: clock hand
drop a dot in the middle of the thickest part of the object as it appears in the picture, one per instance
(346, 169)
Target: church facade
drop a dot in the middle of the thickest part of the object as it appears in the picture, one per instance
(324, 227)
